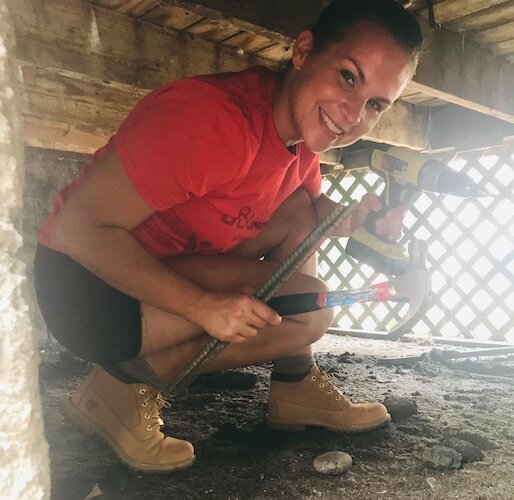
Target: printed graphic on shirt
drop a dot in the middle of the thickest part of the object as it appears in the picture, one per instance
(193, 246)
(244, 220)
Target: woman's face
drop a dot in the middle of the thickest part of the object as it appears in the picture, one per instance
(337, 95)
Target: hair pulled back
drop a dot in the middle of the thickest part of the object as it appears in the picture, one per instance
(341, 15)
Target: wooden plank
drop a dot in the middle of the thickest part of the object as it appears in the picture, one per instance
(248, 42)
(277, 52)
(279, 21)
(497, 34)
(173, 17)
(505, 48)
(112, 46)
(135, 8)
(484, 19)
(451, 10)
(463, 129)
(459, 71)
(142, 8)
(125, 7)
(63, 98)
(44, 133)
(77, 109)
(214, 30)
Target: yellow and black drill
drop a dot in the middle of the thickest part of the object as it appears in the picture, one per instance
(406, 173)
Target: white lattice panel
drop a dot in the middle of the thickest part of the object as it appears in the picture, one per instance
(471, 254)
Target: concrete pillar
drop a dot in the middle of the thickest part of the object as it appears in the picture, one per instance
(24, 469)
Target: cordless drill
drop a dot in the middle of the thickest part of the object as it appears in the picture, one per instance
(406, 173)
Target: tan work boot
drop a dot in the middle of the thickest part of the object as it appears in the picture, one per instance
(316, 401)
(127, 416)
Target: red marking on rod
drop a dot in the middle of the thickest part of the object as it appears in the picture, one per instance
(322, 300)
(383, 290)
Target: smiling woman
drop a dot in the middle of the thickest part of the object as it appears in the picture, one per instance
(338, 94)
(207, 186)
(350, 67)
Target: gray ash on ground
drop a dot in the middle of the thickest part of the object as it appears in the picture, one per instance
(239, 457)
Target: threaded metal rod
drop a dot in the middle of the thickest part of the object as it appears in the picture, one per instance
(299, 256)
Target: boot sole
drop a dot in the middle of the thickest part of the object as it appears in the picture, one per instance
(293, 426)
(76, 417)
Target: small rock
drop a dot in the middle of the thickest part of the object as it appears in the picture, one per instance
(469, 452)
(400, 408)
(441, 458)
(333, 463)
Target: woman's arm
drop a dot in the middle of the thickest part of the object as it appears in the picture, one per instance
(94, 228)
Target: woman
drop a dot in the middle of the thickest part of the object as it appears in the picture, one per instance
(158, 243)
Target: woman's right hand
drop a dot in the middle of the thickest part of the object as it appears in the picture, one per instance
(233, 317)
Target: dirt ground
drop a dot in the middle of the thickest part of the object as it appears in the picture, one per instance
(239, 458)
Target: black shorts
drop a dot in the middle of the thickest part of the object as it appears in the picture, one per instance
(90, 318)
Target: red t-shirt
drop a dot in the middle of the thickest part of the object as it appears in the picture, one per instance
(205, 154)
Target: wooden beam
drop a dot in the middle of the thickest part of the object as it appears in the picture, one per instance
(59, 108)
(82, 75)
(279, 21)
(71, 105)
(79, 87)
(459, 71)
(47, 134)
(483, 19)
(453, 68)
(108, 45)
(447, 11)
(461, 129)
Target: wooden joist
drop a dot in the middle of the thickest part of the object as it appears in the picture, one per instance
(463, 129)
(460, 72)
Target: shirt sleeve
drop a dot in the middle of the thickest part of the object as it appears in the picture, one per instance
(183, 141)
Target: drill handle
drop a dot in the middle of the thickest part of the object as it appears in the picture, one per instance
(393, 195)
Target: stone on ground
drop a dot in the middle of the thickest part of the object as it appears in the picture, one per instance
(333, 463)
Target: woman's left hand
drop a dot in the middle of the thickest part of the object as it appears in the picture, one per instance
(390, 226)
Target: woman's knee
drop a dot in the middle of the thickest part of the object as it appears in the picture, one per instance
(298, 215)
(312, 326)
(320, 324)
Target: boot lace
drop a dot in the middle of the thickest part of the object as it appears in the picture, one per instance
(155, 402)
(327, 383)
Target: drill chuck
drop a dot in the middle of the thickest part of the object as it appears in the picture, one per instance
(436, 177)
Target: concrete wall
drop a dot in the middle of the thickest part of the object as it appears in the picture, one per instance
(24, 469)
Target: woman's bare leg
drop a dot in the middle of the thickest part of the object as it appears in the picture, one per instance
(169, 342)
